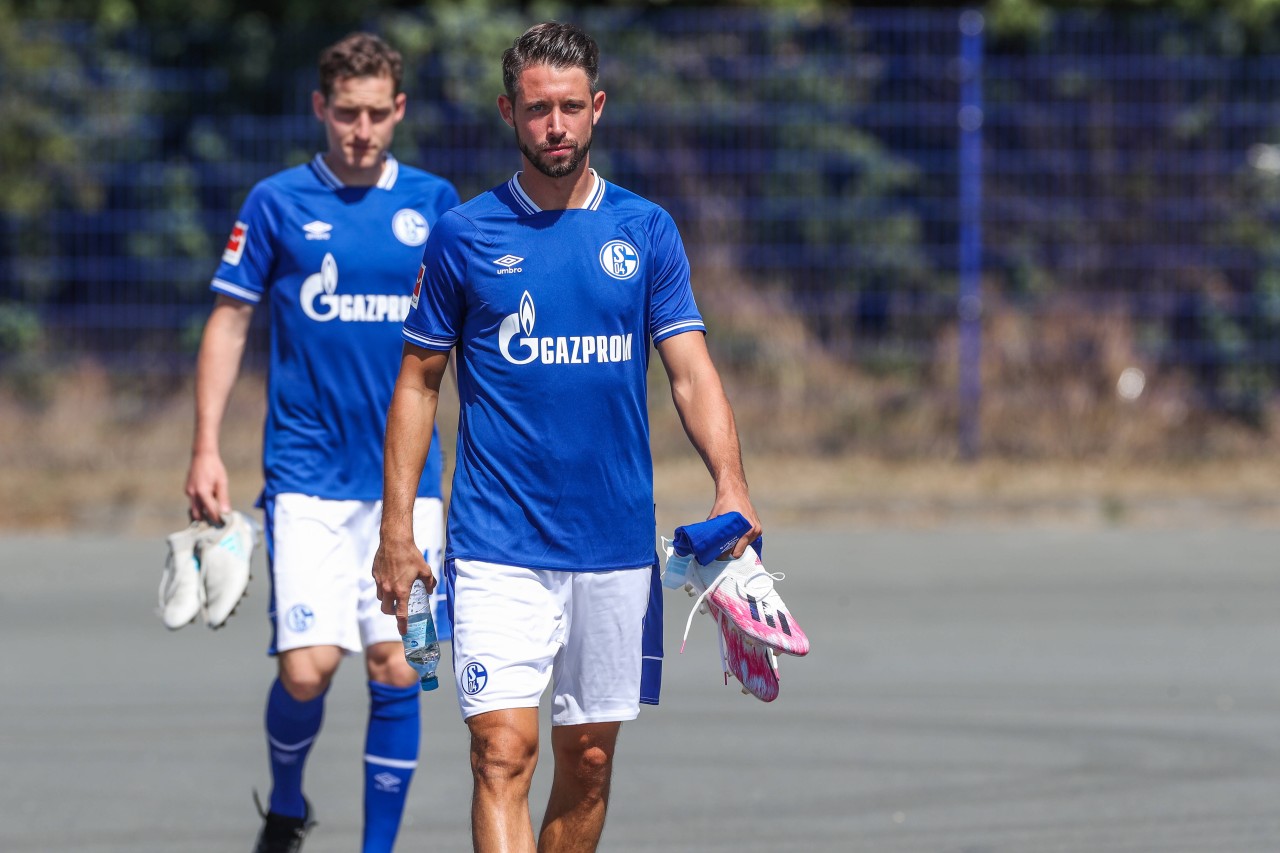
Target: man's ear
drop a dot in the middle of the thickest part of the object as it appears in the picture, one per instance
(507, 110)
(318, 104)
(597, 106)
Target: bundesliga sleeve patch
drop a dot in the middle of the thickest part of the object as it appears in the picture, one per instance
(235, 244)
(417, 286)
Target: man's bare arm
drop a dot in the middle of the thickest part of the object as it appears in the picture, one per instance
(708, 421)
(217, 366)
(410, 419)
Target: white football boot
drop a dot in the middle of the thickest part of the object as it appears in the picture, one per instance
(752, 662)
(181, 592)
(225, 555)
(743, 590)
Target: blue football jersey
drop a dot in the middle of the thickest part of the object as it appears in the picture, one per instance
(553, 313)
(335, 264)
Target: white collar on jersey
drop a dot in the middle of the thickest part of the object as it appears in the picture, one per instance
(390, 171)
(526, 203)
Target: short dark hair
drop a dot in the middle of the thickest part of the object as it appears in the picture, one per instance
(557, 45)
(359, 55)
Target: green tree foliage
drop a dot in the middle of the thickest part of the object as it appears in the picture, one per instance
(99, 122)
(682, 96)
(1251, 22)
(1162, 193)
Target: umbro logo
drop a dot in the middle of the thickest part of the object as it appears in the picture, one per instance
(508, 264)
(317, 230)
(387, 782)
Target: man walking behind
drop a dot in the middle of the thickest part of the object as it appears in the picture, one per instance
(331, 246)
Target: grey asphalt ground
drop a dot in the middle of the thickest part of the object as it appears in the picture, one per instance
(970, 691)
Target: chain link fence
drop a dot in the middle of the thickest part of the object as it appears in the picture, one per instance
(908, 232)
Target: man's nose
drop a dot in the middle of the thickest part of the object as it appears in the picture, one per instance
(555, 124)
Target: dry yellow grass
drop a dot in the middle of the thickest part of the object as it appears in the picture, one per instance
(94, 456)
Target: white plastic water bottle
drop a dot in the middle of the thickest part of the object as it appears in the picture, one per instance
(677, 569)
(421, 648)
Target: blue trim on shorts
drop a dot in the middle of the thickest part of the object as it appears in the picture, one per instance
(268, 507)
(443, 614)
(651, 641)
(450, 577)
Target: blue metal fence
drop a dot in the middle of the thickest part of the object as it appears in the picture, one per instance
(900, 177)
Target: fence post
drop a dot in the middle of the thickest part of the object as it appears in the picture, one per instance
(969, 303)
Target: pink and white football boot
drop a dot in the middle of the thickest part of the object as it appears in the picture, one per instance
(753, 664)
(749, 660)
(743, 591)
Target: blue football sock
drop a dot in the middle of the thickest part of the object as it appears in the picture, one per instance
(390, 756)
(291, 729)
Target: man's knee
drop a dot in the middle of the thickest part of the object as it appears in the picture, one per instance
(591, 768)
(502, 753)
(586, 754)
(306, 674)
(594, 760)
(304, 686)
(385, 664)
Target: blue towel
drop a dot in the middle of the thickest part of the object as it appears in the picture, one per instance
(707, 540)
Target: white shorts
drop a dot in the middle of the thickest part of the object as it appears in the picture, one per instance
(514, 627)
(320, 554)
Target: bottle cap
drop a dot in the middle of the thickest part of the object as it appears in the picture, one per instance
(430, 682)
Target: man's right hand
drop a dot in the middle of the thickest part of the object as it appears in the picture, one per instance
(396, 566)
(207, 489)
(217, 364)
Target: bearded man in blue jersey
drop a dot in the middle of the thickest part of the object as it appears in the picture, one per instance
(551, 288)
(331, 246)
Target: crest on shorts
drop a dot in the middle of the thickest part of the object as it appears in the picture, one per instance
(474, 678)
(300, 618)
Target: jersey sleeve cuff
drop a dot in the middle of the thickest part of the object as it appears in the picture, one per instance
(427, 341)
(677, 328)
(235, 291)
